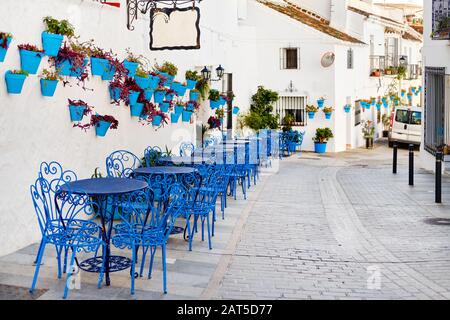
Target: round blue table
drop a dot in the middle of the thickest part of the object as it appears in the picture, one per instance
(105, 192)
(184, 160)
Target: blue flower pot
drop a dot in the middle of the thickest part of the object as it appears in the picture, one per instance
(373, 102)
(378, 106)
(159, 96)
(153, 82)
(235, 110)
(64, 68)
(191, 84)
(79, 70)
(76, 113)
(115, 93)
(131, 67)
(175, 117)
(14, 82)
(169, 81)
(222, 101)
(101, 128)
(109, 72)
(148, 94)
(385, 104)
(51, 43)
(311, 115)
(409, 98)
(396, 103)
(142, 82)
(99, 66)
(30, 61)
(136, 109)
(3, 51)
(347, 109)
(320, 103)
(193, 96)
(179, 109)
(214, 104)
(179, 89)
(186, 116)
(190, 107)
(169, 96)
(402, 94)
(48, 87)
(164, 106)
(292, 146)
(320, 147)
(328, 115)
(133, 97)
(156, 121)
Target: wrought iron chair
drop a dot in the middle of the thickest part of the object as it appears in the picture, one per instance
(61, 220)
(121, 163)
(238, 173)
(152, 156)
(187, 149)
(143, 225)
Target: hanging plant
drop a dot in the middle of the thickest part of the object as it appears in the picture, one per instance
(15, 80)
(133, 92)
(49, 82)
(54, 33)
(101, 123)
(328, 111)
(72, 61)
(214, 122)
(30, 57)
(167, 67)
(5, 40)
(202, 87)
(193, 106)
(192, 78)
(78, 109)
(151, 115)
(311, 110)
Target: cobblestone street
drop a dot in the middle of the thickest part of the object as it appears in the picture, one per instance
(321, 227)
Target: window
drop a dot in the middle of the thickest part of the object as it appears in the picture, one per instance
(416, 118)
(350, 58)
(290, 58)
(294, 106)
(392, 52)
(357, 113)
(402, 116)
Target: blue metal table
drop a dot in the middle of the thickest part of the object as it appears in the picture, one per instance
(105, 192)
(184, 160)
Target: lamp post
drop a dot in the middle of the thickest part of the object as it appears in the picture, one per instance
(206, 75)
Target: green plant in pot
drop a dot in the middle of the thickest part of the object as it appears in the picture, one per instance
(288, 122)
(321, 138)
(261, 114)
(386, 120)
(368, 131)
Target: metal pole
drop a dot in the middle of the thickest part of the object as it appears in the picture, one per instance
(438, 189)
(411, 164)
(394, 161)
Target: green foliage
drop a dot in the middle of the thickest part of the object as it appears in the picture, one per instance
(214, 95)
(368, 129)
(220, 113)
(62, 27)
(192, 75)
(51, 75)
(167, 67)
(140, 72)
(288, 121)
(323, 135)
(311, 108)
(261, 110)
(386, 120)
(97, 174)
(401, 72)
(202, 87)
(20, 72)
(131, 57)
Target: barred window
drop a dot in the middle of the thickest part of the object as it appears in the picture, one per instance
(290, 58)
(294, 106)
(357, 113)
(350, 58)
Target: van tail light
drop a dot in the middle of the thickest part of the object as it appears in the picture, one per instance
(392, 119)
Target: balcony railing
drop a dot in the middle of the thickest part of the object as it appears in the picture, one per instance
(377, 63)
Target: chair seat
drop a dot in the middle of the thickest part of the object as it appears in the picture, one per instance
(62, 231)
(149, 237)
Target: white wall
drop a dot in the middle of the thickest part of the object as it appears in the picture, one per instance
(35, 129)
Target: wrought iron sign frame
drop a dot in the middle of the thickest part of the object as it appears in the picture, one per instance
(143, 6)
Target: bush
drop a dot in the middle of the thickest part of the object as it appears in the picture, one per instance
(323, 135)
(261, 110)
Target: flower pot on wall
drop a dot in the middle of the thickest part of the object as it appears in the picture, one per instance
(14, 82)
(98, 66)
(156, 121)
(3, 51)
(159, 96)
(191, 84)
(320, 147)
(347, 109)
(153, 82)
(378, 106)
(148, 94)
(179, 109)
(133, 97)
(328, 115)
(320, 103)
(64, 68)
(142, 82)
(235, 110)
(115, 93)
(78, 70)
(186, 116)
(101, 128)
(51, 43)
(131, 67)
(175, 117)
(109, 73)
(164, 106)
(311, 115)
(193, 96)
(169, 96)
(76, 113)
(30, 61)
(48, 87)
(136, 109)
(214, 104)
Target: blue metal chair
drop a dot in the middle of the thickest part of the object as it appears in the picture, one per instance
(121, 163)
(146, 227)
(187, 149)
(152, 156)
(238, 172)
(58, 214)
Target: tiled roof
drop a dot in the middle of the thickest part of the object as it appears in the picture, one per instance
(298, 14)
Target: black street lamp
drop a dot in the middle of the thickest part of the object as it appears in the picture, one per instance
(206, 73)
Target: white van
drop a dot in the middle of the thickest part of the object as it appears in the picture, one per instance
(406, 125)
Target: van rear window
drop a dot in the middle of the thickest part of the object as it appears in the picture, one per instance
(402, 116)
(416, 117)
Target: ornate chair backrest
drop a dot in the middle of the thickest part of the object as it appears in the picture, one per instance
(187, 149)
(121, 163)
(301, 135)
(152, 155)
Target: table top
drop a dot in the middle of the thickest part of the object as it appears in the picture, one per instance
(104, 186)
(180, 160)
(165, 170)
(231, 142)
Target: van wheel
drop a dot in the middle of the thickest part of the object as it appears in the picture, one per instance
(391, 144)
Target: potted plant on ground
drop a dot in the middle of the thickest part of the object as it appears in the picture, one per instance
(191, 79)
(321, 138)
(214, 98)
(311, 110)
(5, 41)
(368, 130)
(386, 120)
(320, 102)
(49, 82)
(54, 33)
(78, 109)
(15, 80)
(328, 111)
(30, 57)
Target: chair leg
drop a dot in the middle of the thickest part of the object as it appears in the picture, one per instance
(152, 258)
(213, 221)
(209, 233)
(133, 268)
(191, 237)
(70, 274)
(38, 264)
(58, 259)
(144, 254)
(203, 228)
(66, 249)
(163, 248)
